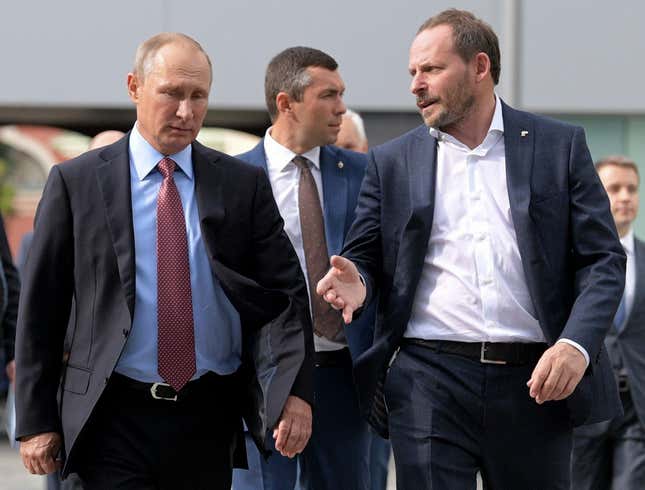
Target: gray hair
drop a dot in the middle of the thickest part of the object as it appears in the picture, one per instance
(358, 123)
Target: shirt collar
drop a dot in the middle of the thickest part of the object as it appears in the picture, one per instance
(145, 157)
(496, 126)
(628, 242)
(279, 157)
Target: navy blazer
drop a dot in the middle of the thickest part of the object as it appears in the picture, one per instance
(342, 173)
(573, 263)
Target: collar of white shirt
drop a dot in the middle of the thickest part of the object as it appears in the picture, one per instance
(628, 242)
(279, 157)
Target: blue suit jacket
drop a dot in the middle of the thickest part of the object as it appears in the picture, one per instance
(573, 263)
(341, 185)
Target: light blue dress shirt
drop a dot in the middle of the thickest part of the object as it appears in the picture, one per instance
(218, 334)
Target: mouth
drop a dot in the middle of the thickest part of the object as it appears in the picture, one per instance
(424, 101)
(180, 130)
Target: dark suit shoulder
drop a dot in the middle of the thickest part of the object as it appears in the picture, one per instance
(543, 124)
(398, 144)
(231, 163)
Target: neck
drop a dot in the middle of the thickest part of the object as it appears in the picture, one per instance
(473, 127)
(623, 230)
(289, 138)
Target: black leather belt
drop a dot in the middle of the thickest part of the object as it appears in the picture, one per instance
(486, 352)
(163, 391)
(333, 358)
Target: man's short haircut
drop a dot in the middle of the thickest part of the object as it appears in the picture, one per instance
(287, 72)
(618, 161)
(358, 123)
(143, 60)
(470, 35)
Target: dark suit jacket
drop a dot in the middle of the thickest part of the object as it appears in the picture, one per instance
(341, 185)
(573, 262)
(627, 348)
(9, 293)
(83, 247)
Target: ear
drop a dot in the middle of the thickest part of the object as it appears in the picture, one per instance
(482, 66)
(283, 103)
(133, 87)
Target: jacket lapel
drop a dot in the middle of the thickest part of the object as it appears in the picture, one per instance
(209, 191)
(518, 142)
(334, 183)
(421, 163)
(113, 177)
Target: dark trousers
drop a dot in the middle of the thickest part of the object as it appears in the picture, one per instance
(136, 442)
(336, 457)
(611, 454)
(451, 416)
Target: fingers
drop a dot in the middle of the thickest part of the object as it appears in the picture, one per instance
(348, 313)
(557, 373)
(39, 453)
(294, 429)
(284, 428)
(538, 377)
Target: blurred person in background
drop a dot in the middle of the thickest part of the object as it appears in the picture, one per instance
(611, 454)
(172, 271)
(487, 238)
(315, 185)
(9, 294)
(352, 136)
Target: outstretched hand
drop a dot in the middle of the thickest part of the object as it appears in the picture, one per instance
(342, 287)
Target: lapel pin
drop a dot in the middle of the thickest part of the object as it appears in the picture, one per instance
(523, 133)
(341, 164)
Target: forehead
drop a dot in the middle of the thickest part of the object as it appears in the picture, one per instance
(617, 174)
(180, 61)
(322, 78)
(432, 43)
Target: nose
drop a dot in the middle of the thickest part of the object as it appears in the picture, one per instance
(184, 110)
(417, 84)
(342, 108)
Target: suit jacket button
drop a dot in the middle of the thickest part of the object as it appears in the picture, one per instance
(106, 380)
(125, 332)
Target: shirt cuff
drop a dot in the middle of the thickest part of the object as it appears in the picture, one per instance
(577, 346)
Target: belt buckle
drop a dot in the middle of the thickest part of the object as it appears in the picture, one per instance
(482, 356)
(153, 392)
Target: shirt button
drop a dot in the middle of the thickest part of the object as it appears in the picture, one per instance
(487, 281)
(480, 237)
(472, 300)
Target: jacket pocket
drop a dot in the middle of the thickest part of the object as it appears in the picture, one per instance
(77, 380)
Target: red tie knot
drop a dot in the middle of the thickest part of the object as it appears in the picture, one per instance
(166, 167)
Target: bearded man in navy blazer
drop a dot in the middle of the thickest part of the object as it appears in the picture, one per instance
(316, 186)
(487, 238)
(190, 308)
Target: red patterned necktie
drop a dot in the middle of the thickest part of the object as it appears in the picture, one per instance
(327, 321)
(175, 329)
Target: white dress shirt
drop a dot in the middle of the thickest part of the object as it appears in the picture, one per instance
(630, 275)
(285, 177)
(472, 287)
